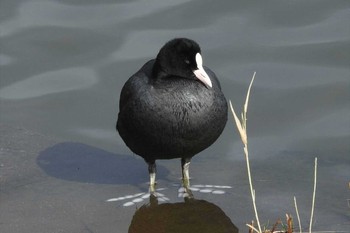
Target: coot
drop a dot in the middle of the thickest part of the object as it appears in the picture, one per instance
(172, 107)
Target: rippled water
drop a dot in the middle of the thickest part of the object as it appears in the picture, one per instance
(63, 64)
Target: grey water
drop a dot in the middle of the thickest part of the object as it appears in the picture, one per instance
(64, 168)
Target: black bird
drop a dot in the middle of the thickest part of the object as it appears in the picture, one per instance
(172, 107)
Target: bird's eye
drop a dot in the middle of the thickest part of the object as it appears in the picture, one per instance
(187, 61)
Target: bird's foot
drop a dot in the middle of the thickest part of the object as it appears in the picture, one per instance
(189, 192)
(186, 189)
(139, 198)
(152, 189)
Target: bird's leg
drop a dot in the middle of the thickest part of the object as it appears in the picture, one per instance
(152, 169)
(185, 164)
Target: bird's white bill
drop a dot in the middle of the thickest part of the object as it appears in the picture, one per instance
(200, 72)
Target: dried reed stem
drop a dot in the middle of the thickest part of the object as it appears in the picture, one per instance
(313, 196)
(242, 129)
(296, 210)
(289, 223)
(252, 228)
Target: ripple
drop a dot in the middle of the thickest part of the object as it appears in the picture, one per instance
(49, 83)
(44, 13)
(128, 204)
(205, 190)
(218, 192)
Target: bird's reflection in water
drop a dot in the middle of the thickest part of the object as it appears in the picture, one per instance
(190, 216)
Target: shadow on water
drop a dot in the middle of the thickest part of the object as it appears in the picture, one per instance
(190, 216)
(82, 163)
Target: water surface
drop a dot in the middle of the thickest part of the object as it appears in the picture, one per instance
(63, 64)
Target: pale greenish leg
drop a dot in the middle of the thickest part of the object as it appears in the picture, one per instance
(152, 169)
(185, 165)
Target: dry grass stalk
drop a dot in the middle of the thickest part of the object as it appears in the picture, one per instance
(289, 223)
(276, 225)
(242, 129)
(296, 210)
(313, 196)
(286, 229)
(349, 199)
(251, 229)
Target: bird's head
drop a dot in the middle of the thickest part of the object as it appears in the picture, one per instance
(182, 58)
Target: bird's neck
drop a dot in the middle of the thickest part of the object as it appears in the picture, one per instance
(159, 72)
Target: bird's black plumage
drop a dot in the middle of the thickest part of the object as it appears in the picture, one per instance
(166, 111)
